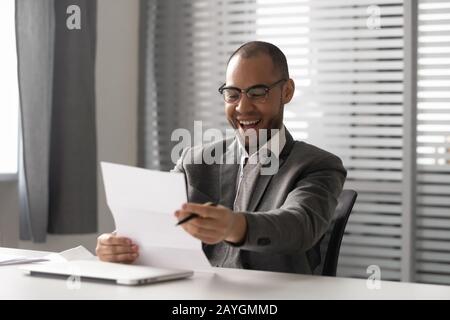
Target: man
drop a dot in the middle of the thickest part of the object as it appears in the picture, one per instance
(264, 222)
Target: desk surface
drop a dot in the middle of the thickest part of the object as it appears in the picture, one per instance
(219, 284)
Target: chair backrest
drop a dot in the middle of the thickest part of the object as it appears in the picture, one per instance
(330, 244)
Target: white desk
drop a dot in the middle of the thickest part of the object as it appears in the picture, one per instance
(220, 284)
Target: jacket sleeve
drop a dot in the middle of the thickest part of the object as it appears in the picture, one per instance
(304, 216)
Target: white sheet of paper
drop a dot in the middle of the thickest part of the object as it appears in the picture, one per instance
(77, 253)
(9, 259)
(143, 203)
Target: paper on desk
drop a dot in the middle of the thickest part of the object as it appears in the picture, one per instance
(143, 203)
(10, 259)
(77, 253)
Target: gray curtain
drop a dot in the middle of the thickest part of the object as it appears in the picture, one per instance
(58, 160)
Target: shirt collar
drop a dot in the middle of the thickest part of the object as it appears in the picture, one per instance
(279, 138)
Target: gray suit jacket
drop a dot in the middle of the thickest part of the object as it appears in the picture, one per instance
(288, 212)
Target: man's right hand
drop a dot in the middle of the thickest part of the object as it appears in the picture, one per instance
(112, 248)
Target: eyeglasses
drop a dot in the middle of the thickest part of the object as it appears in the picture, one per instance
(258, 92)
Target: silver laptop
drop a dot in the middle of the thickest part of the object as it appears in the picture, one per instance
(106, 271)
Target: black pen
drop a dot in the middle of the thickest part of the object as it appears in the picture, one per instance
(194, 215)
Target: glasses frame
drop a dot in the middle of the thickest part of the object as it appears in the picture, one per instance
(266, 88)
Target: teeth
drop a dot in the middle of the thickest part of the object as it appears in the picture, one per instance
(248, 123)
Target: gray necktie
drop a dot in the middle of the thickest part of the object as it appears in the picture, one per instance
(249, 177)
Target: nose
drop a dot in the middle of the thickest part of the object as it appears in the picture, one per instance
(244, 105)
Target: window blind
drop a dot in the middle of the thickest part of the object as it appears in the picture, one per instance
(9, 93)
(188, 43)
(433, 140)
(349, 101)
(347, 58)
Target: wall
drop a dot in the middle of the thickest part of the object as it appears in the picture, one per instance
(9, 208)
(116, 94)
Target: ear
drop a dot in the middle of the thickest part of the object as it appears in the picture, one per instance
(288, 91)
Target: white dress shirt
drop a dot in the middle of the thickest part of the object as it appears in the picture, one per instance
(250, 166)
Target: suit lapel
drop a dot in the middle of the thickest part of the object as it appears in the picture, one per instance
(263, 180)
(228, 176)
(261, 185)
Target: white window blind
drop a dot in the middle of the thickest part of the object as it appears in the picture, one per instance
(188, 43)
(433, 139)
(349, 69)
(9, 95)
(349, 101)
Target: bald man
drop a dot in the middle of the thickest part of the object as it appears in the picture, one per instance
(261, 221)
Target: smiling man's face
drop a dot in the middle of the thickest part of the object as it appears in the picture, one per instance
(257, 114)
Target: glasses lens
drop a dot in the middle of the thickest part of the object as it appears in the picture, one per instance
(230, 95)
(257, 93)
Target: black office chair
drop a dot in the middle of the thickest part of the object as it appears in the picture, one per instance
(330, 244)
